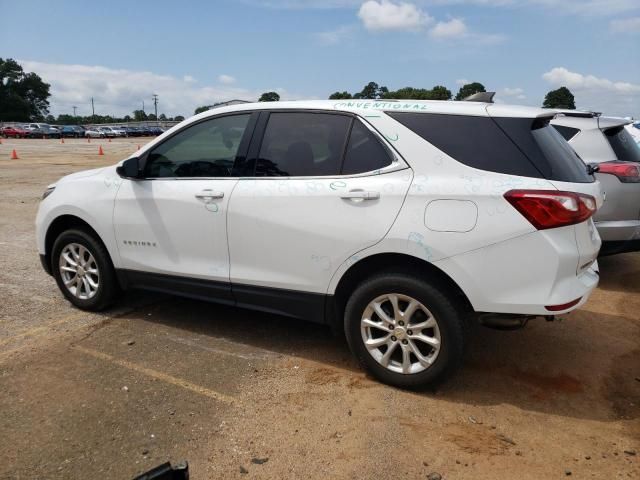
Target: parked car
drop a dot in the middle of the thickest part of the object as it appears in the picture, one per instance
(43, 131)
(108, 132)
(396, 222)
(144, 131)
(92, 132)
(634, 131)
(14, 132)
(72, 131)
(132, 131)
(156, 130)
(119, 131)
(45, 126)
(605, 142)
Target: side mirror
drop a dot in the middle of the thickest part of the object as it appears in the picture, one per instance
(130, 168)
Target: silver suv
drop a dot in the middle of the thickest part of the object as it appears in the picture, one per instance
(606, 142)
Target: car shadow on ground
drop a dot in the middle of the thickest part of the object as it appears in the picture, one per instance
(553, 368)
(620, 273)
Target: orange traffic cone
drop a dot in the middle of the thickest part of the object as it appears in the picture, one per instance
(88, 139)
(0, 140)
(14, 155)
(61, 140)
(100, 152)
(138, 147)
(109, 140)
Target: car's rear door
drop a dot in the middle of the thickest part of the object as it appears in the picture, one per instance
(318, 188)
(174, 220)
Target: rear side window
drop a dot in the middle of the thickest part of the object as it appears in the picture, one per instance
(623, 144)
(515, 146)
(567, 132)
(305, 144)
(365, 153)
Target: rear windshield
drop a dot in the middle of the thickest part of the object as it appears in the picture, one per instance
(623, 144)
(515, 146)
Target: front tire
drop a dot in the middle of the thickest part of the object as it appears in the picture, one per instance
(83, 270)
(405, 331)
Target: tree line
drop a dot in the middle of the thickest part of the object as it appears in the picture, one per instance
(24, 97)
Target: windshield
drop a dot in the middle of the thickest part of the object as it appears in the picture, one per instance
(623, 144)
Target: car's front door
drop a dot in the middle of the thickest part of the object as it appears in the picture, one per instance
(325, 187)
(174, 220)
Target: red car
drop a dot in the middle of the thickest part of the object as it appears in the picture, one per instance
(15, 132)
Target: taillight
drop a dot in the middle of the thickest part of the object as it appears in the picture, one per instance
(551, 209)
(627, 172)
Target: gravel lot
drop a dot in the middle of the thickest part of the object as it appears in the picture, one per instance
(241, 394)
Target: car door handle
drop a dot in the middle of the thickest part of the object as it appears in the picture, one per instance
(209, 195)
(360, 195)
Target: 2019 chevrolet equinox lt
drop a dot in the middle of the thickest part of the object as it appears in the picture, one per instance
(396, 221)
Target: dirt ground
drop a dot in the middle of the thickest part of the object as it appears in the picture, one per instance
(241, 394)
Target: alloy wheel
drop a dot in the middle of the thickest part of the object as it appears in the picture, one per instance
(400, 333)
(79, 271)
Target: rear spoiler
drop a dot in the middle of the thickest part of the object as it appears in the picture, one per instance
(578, 114)
(483, 97)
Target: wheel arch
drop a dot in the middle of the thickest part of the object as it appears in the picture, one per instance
(61, 224)
(389, 262)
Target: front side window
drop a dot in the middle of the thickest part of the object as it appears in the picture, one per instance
(302, 144)
(207, 149)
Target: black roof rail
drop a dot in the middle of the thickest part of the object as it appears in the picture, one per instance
(484, 97)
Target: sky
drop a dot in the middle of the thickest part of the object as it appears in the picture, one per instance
(194, 53)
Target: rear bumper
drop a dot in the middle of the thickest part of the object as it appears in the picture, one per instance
(525, 274)
(619, 230)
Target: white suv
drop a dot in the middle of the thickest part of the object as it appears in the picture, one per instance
(395, 221)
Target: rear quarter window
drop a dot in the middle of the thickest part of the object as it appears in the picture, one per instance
(567, 132)
(515, 146)
(623, 144)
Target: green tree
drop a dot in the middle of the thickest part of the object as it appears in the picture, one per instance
(178, 118)
(560, 98)
(469, 89)
(340, 95)
(151, 116)
(139, 115)
(440, 93)
(66, 119)
(201, 109)
(23, 96)
(269, 97)
(162, 117)
(372, 91)
(410, 93)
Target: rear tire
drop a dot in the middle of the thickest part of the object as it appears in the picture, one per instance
(414, 319)
(83, 270)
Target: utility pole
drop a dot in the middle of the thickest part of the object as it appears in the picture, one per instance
(143, 107)
(93, 111)
(155, 104)
(74, 110)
